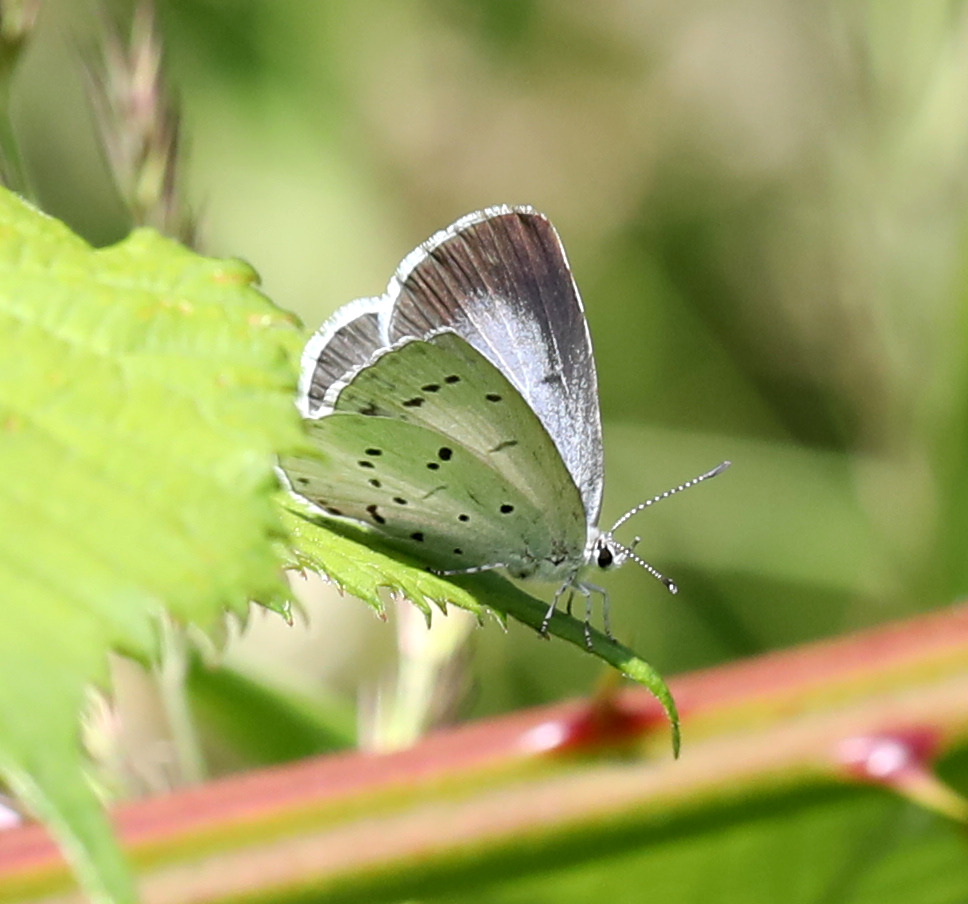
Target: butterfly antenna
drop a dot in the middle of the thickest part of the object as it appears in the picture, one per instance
(644, 505)
(658, 575)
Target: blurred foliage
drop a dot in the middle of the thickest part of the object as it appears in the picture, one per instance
(144, 395)
(763, 202)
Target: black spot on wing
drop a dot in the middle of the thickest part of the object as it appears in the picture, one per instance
(375, 515)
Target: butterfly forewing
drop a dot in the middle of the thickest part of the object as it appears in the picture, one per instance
(500, 280)
(428, 494)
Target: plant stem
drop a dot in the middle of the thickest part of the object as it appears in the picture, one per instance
(171, 679)
(16, 22)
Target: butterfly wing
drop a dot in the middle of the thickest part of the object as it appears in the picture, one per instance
(433, 447)
(445, 385)
(427, 494)
(500, 280)
(351, 337)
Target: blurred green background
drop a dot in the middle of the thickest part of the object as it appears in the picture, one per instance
(764, 206)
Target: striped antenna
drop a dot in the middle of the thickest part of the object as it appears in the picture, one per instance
(658, 575)
(644, 505)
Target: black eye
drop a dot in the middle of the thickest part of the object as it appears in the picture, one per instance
(605, 557)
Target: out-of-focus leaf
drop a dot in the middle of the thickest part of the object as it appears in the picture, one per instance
(143, 393)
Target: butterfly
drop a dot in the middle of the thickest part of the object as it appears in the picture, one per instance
(457, 414)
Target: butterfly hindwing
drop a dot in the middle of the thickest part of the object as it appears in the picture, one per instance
(444, 384)
(426, 493)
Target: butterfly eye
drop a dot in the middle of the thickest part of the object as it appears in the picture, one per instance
(605, 557)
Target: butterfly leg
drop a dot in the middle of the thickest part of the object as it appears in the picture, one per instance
(606, 616)
(543, 630)
(588, 590)
(570, 600)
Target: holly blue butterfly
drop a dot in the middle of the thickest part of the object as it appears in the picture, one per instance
(457, 414)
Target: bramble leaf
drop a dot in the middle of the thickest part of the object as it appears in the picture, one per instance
(144, 392)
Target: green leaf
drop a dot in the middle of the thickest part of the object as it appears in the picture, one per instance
(143, 395)
(355, 560)
(500, 595)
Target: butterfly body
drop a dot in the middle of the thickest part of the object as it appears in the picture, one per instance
(457, 414)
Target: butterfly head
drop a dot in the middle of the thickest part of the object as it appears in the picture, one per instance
(605, 552)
